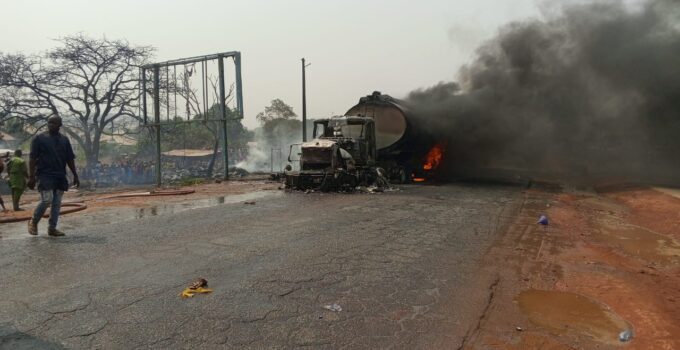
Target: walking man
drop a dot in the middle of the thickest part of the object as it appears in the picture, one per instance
(18, 174)
(51, 152)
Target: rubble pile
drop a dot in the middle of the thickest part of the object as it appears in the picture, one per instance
(179, 174)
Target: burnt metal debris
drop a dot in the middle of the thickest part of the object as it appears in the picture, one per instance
(199, 286)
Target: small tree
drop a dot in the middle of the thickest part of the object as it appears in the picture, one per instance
(279, 126)
(90, 83)
(277, 110)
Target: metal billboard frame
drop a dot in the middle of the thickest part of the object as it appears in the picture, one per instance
(155, 69)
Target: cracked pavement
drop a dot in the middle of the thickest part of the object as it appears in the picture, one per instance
(404, 267)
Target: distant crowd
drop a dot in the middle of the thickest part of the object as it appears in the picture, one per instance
(124, 172)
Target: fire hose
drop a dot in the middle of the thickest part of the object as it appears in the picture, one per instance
(73, 207)
(151, 194)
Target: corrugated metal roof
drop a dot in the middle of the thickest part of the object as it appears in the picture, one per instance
(189, 153)
(6, 137)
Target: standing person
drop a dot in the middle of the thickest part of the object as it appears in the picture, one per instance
(2, 203)
(18, 176)
(51, 152)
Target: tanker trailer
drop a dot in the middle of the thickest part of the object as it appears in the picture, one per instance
(398, 151)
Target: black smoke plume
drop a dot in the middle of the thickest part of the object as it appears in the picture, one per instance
(591, 91)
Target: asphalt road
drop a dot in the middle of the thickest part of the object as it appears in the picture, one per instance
(403, 266)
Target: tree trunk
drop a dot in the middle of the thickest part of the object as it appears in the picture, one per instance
(91, 159)
(91, 150)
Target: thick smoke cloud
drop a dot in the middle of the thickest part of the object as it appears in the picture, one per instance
(591, 91)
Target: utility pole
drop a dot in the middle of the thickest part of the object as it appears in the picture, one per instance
(157, 120)
(304, 102)
(223, 116)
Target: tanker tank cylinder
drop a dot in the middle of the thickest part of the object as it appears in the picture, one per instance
(399, 151)
(391, 125)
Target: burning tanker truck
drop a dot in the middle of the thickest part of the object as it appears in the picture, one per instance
(373, 142)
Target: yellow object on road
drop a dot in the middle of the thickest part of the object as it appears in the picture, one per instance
(188, 292)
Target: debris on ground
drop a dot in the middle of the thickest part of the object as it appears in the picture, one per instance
(196, 287)
(625, 336)
(373, 189)
(376, 189)
(238, 172)
(543, 220)
(519, 329)
(333, 307)
(249, 202)
(201, 282)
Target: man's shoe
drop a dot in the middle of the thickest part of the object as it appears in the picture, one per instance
(32, 227)
(54, 232)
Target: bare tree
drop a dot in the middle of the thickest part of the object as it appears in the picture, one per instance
(90, 83)
(195, 107)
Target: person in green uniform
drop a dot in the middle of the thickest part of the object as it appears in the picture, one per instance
(2, 167)
(18, 176)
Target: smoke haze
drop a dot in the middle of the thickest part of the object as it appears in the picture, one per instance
(592, 90)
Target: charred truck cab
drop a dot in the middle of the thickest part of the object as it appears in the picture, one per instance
(341, 156)
(375, 141)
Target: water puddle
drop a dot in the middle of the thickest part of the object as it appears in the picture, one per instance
(640, 242)
(566, 314)
(103, 216)
(173, 208)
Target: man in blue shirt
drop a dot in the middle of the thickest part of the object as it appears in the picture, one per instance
(51, 152)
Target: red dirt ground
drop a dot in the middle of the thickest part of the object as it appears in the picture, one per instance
(584, 251)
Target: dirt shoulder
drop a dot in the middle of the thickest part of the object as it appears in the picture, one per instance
(604, 274)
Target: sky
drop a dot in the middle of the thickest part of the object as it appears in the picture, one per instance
(354, 47)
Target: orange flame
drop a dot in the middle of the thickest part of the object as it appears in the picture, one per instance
(434, 157)
(418, 179)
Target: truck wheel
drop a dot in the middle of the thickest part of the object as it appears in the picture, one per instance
(403, 178)
(352, 184)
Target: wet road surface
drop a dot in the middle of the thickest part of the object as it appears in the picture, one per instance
(403, 266)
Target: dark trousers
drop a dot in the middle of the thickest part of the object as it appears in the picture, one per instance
(16, 196)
